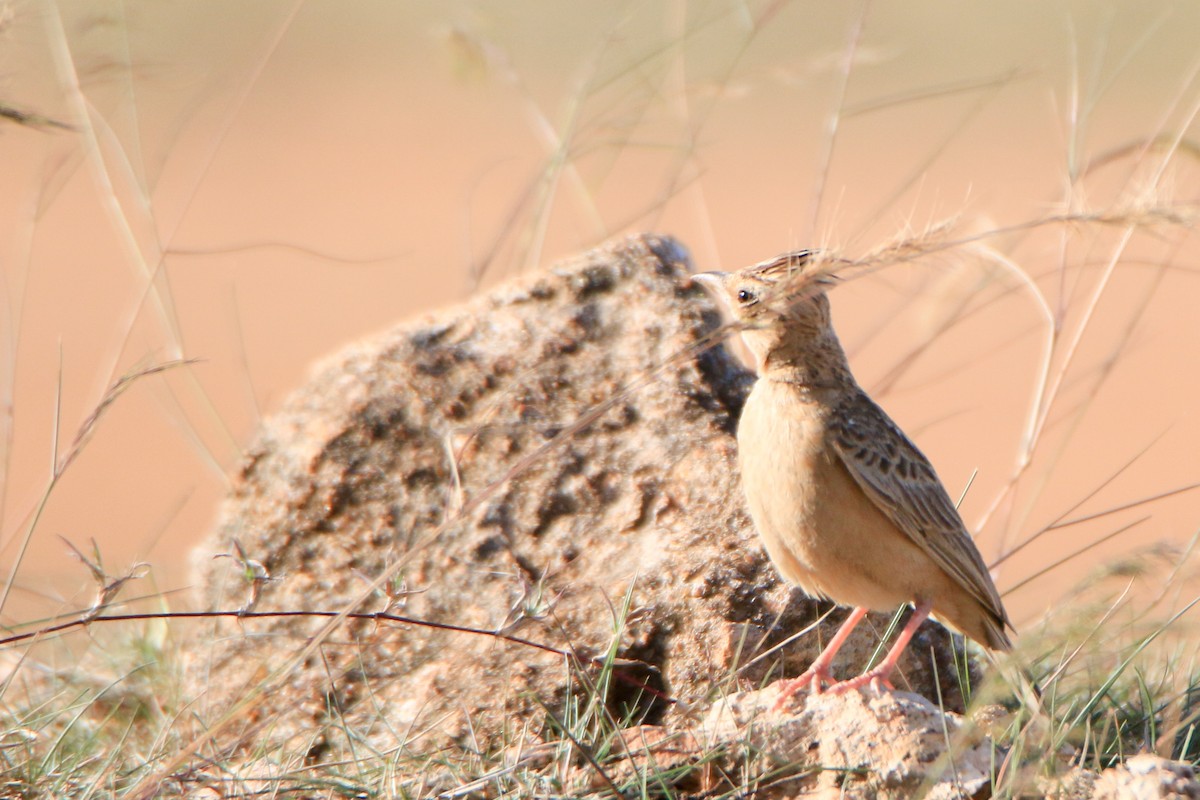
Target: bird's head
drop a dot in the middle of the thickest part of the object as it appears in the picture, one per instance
(780, 304)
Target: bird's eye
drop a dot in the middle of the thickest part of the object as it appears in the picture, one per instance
(745, 296)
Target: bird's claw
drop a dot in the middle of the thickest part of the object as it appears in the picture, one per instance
(814, 679)
(877, 679)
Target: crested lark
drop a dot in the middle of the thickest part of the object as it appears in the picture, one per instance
(847, 507)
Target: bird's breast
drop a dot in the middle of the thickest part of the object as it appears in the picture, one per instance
(781, 452)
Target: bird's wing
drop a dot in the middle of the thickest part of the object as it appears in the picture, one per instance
(903, 485)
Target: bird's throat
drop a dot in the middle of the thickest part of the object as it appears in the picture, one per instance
(816, 363)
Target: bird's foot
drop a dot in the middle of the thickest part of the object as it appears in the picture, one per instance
(878, 679)
(814, 678)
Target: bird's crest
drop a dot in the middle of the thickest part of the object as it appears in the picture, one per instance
(795, 265)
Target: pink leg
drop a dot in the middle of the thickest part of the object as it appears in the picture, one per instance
(879, 678)
(819, 670)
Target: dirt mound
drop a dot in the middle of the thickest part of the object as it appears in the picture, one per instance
(626, 543)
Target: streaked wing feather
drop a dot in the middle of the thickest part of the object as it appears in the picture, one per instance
(903, 485)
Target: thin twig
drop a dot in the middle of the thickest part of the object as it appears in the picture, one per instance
(86, 619)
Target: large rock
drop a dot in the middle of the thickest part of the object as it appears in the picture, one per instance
(627, 538)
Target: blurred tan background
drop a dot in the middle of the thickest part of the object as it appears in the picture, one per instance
(253, 185)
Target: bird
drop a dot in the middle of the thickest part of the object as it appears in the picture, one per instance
(847, 507)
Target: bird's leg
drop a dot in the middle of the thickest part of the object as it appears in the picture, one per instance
(879, 677)
(818, 671)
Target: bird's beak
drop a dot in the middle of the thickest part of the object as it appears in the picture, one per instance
(712, 281)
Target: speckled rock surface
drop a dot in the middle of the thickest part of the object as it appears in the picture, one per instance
(859, 745)
(1148, 777)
